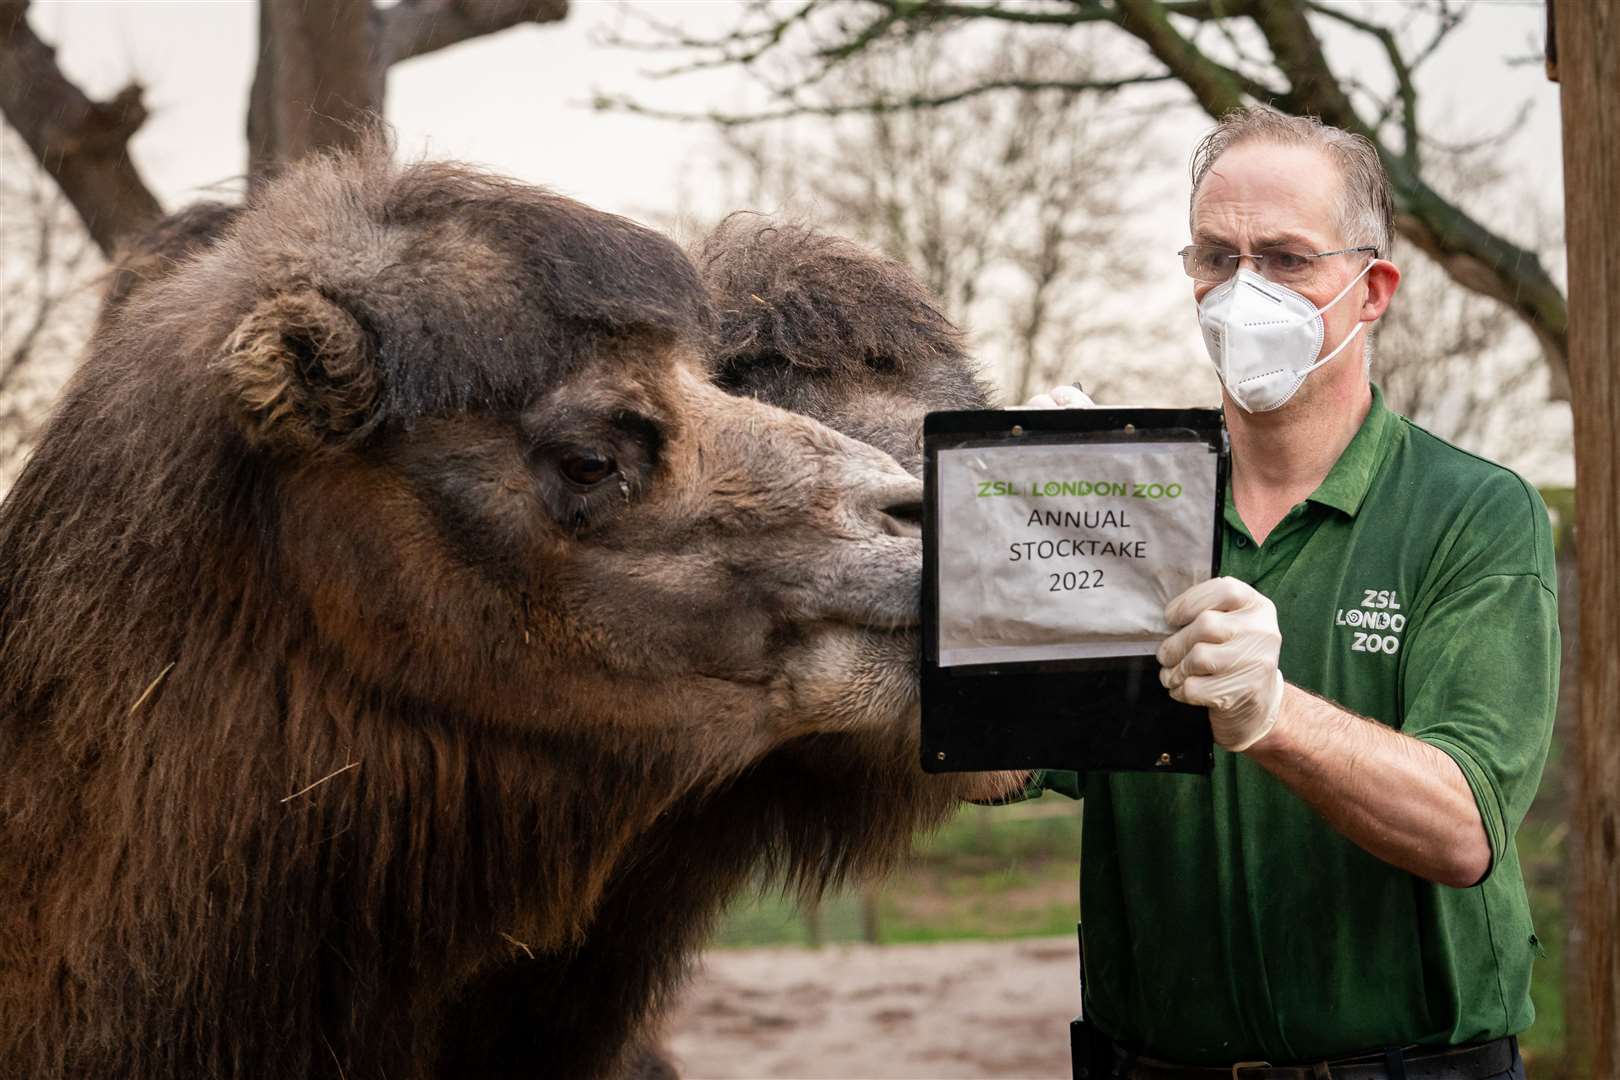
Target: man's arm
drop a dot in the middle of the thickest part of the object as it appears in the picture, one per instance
(1401, 799)
(1397, 797)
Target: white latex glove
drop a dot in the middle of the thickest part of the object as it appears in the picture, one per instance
(1067, 396)
(1224, 657)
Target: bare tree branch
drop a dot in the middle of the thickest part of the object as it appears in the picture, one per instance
(744, 46)
(1514, 125)
(416, 27)
(47, 291)
(82, 144)
(1298, 52)
(1217, 88)
(1406, 90)
(881, 106)
(753, 41)
(739, 48)
(45, 298)
(1012, 211)
(1079, 12)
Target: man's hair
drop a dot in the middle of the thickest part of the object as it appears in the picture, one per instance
(1366, 204)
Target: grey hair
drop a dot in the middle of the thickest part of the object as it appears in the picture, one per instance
(1366, 203)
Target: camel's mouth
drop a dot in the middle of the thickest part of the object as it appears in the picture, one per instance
(908, 622)
(904, 519)
(883, 592)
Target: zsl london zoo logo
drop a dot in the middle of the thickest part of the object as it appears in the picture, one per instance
(1377, 623)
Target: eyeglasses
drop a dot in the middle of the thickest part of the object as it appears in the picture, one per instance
(1282, 264)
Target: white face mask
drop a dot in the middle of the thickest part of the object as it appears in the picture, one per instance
(1264, 337)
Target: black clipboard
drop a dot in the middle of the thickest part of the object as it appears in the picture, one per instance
(1079, 714)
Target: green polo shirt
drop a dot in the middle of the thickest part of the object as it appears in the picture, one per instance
(1223, 920)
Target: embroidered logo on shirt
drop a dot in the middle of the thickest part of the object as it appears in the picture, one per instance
(1376, 623)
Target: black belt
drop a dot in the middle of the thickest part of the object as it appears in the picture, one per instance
(1477, 1062)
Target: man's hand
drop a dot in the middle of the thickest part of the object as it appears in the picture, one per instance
(1068, 396)
(1224, 656)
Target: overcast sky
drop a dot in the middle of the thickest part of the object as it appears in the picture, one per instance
(518, 102)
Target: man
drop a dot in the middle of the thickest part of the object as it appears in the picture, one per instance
(1380, 667)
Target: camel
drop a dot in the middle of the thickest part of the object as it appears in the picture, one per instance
(414, 628)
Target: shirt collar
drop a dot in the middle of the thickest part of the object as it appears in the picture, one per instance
(1347, 483)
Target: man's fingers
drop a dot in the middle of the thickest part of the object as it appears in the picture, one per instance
(1222, 593)
(1203, 659)
(1067, 396)
(1206, 658)
(1211, 624)
(1210, 691)
(1071, 397)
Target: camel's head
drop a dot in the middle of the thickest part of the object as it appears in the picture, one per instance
(503, 481)
(819, 325)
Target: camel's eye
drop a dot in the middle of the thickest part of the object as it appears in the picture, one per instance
(587, 469)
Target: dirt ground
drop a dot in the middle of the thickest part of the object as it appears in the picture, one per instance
(860, 1012)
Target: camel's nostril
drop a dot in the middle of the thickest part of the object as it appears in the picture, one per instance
(903, 519)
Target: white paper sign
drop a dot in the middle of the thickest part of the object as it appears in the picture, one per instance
(1055, 552)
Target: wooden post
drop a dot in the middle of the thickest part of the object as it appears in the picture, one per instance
(1586, 63)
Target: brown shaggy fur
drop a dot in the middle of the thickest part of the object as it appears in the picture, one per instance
(818, 324)
(279, 800)
(162, 248)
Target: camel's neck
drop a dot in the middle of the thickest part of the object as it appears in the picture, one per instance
(273, 844)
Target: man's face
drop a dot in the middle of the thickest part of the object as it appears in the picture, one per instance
(1261, 195)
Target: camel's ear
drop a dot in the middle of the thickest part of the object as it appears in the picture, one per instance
(303, 373)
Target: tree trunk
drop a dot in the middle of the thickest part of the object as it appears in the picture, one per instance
(316, 85)
(323, 67)
(1567, 735)
(1588, 67)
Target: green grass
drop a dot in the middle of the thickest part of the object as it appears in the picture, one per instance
(772, 919)
(1541, 854)
(989, 873)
